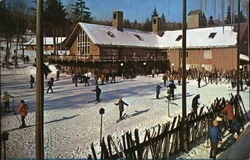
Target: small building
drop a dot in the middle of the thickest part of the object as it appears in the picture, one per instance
(47, 43)
(196, 19)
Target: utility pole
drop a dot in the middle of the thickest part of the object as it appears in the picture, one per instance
(238, 52)
(39, 81)
(184, 137)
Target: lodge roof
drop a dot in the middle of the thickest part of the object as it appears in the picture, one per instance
(194, 12)
(211, 37)
(46, 41)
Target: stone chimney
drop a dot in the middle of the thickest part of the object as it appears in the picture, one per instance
(155, 24)
(117, 20)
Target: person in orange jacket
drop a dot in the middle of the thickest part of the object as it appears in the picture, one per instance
(23, 109)
(229, 110)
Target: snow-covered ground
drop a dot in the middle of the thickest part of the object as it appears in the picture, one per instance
(72, 123)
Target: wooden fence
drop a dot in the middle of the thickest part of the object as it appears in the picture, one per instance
(164, 140)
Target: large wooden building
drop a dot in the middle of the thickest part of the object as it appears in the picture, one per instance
(99, 48)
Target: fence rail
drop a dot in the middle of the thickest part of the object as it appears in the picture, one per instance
(104, 58)
(165, 140)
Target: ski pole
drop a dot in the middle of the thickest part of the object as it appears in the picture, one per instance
(18, 119)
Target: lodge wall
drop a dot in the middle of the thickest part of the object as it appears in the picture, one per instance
(219, 58)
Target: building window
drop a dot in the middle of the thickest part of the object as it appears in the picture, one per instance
(110, 34)
(207, 54)
(211, 35)
(83, 43)
(179, 38)
(154, 21)
(114, 16)
(139, 37)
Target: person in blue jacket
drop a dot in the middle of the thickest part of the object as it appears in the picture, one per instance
(215, 138)
(158, 88)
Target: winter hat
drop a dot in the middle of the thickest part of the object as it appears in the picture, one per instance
(219, 119)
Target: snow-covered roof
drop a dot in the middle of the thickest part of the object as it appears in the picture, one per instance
(46, 41)
(201, 37)
(244, 57)
(107, 35)
(196, 38)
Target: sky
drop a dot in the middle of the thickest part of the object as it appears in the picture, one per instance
(140, 10)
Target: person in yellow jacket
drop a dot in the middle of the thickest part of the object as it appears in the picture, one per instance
(6, 100)
(23, 109)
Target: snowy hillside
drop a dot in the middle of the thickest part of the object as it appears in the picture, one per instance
(72, 122)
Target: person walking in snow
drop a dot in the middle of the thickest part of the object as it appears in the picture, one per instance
(50, 84)
(199, 82)
(158, 89)
(6, 100)
(195, 104)
(179, 79)
(171, 89)
(229, 110)
(121, 107)
(215, 138)
(32, 80)
(23, 109)
(164, 78)
(112, 77)
(57, 75)
(98, 93)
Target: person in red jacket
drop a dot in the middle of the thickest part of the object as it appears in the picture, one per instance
(229, 110)
(23, 109)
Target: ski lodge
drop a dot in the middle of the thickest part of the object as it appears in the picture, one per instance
(104, 49)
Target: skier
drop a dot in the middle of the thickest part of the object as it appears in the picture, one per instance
(158, 89)
(113, 77)
(121, 107)
(215, 138)
(57, 75)
(49, 83)
(195, 104)
(32, 80)
(98, 93)
(52, 80)
(102, 79)
(76, 79)
(199, 82)
(86, 80)
(153, 73)
(6, 100)
(171, 88)
(179, 79)
(164, 78)
(229, 110)
(23, 109)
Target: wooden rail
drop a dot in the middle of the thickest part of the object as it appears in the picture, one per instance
(163, 140)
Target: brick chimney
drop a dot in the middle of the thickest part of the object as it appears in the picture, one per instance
(155, 24)
(117, 20)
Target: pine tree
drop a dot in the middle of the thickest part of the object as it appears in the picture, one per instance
(55, 18)
(210, 21)
(155, 13)
(228, 18)
(147, 26)
(126, 23)
(80, 13)
(163, 18)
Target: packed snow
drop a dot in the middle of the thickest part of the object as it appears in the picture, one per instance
(72, 123)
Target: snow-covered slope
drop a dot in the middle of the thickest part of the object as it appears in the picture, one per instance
(72, 123)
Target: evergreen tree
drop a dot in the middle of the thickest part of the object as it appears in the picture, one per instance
(55, 18)
(155, 13)
(210, 21)
(126, 23)
(80, 13)
(242, 17)
(163, 18)
(228, 18)
(147, 26)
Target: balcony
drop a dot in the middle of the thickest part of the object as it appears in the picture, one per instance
(105, 58)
